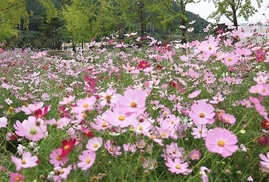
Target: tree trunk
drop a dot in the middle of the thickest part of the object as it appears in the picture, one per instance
(234, 17)
(183, 32)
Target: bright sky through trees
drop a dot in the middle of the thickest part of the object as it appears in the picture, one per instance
(204, 9)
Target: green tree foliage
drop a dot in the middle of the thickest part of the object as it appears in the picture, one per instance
(233, 9)
(174, 13)
(11, 12)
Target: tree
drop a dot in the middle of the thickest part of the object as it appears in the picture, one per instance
(80, 18)
(11, 12)
(174, 10)
(233, 9)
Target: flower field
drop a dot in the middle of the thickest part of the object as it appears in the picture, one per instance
(126, 112)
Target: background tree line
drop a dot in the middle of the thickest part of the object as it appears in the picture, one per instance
(48, 23)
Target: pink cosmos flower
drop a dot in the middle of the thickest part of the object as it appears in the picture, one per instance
(56, 159)
(133, 101)
(202, 113)
(61, 173)
(118, 118)
(260, 79)
(3, 122)
(129, 147)
(87, 159)
(112, 148)
(228, 118)
(84, 104)
(203, 171)
(26, 161)
(230, 59)
(195, 154)
(67, 100)
(16, 177)
(31, 108)
(199, 132)
(100, 124)
(108, 97)
(177, 166)
(221, 141)
(94, 143)
(262, 89)
(194, 94)
(33, 129)
(264, 160)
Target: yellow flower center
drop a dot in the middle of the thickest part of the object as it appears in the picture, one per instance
(95, 145)
(221, 143)
(88, 160)
(58, 158)
(163, 135)
(85, 105)
(133, 104)
(178, 166)
(202, 115)
(140, 128)
(23, 161)
(66, 147)
(230, 59)
(18, 178)
(104, 125)
(121, 117)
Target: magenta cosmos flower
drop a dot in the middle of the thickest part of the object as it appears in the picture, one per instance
(221, 141)
(202, 113)
(16, 177)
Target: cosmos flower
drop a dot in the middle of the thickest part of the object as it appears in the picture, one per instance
(221, 141)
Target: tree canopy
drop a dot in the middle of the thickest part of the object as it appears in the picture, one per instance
(234, 9)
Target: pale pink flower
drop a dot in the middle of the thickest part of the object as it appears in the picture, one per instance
(119, 118)
(133, 101)
(199, 132)
(221, 141)
(112, 148)
(56, 159)
(33, 129)
(177, 166)
(8, 101)
(203, 171)
(264, 160)
(202, 113)
(194, 94)
(62, 173)
(83, 105)
(3, 122)
(108, 97)
(94, 143)
(26, 161)
(129, 147)
(67, 100)
(87, 159)
(31, 108)
(228, 118)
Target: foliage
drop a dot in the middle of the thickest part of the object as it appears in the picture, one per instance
(11, 12)
(234, 9)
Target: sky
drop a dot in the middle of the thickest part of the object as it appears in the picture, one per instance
(204, 9)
